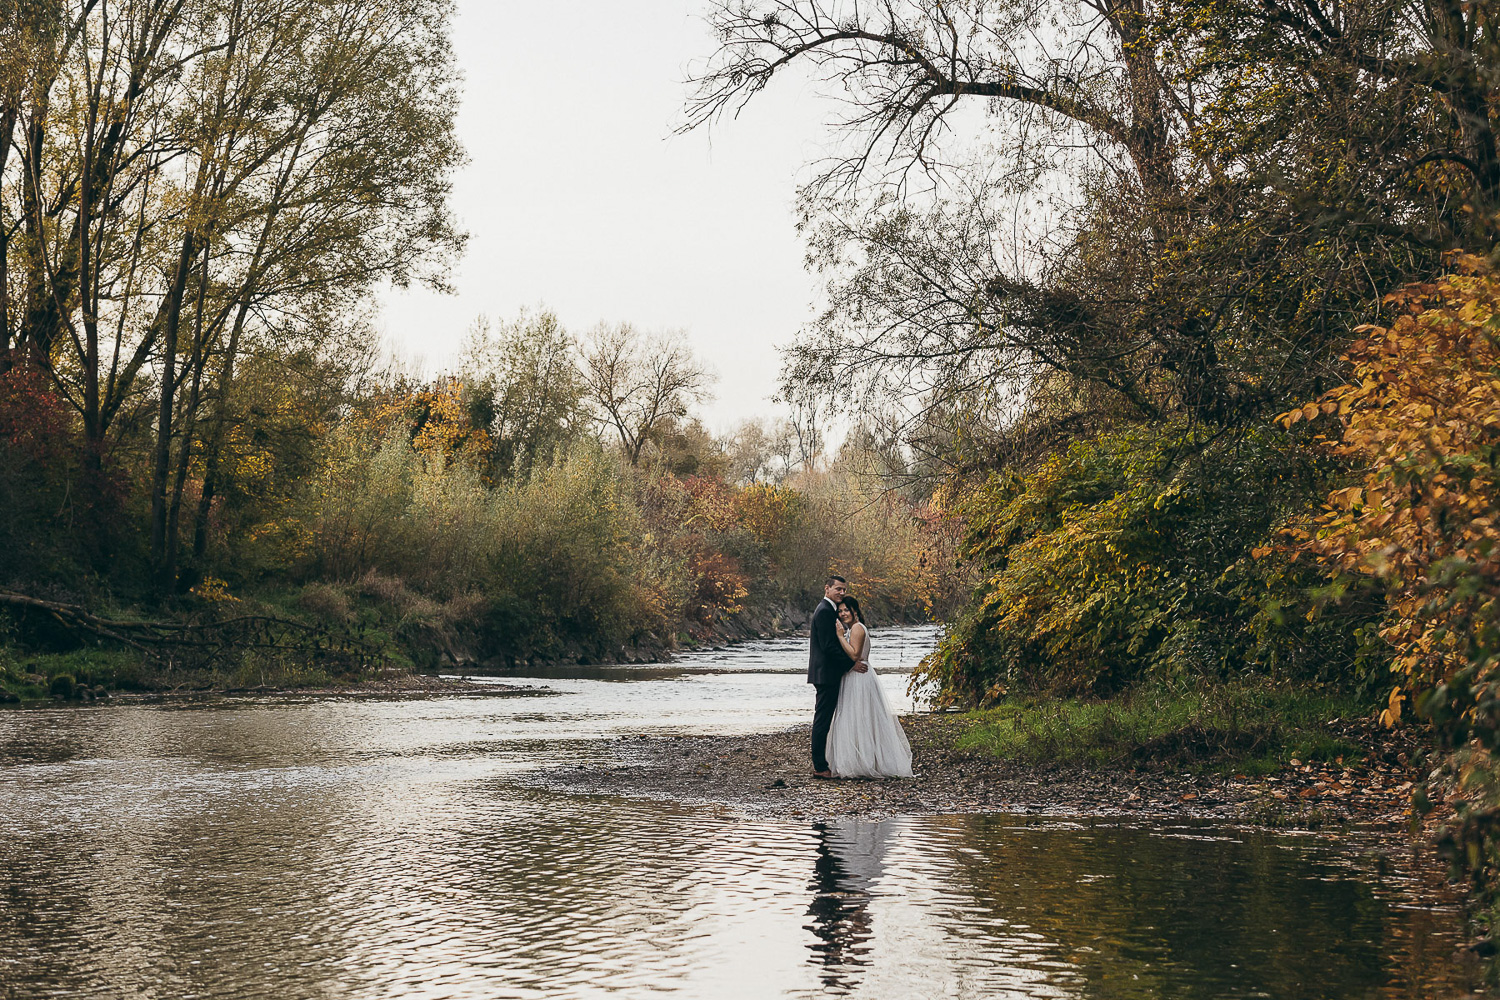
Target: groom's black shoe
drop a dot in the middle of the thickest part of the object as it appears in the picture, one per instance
(822, 774)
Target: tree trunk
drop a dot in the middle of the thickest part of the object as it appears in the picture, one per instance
(163, 571)
(213, 447)
(7, 130)
(198, 361)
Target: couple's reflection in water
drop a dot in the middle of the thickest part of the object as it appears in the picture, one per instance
(850, 859)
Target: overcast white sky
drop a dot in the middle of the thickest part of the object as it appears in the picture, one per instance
(578, 197)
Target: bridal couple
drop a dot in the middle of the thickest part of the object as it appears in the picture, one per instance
(854, 734)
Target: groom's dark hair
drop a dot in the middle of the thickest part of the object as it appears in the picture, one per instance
(832, 577)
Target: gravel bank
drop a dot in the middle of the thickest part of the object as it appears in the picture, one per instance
(769, 775)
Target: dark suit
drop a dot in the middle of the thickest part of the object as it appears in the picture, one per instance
(827, 663)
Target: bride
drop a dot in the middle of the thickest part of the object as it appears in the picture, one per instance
(865, 740)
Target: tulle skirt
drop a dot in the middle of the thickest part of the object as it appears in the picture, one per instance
(866, 740)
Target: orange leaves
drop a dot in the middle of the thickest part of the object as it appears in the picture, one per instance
(1423, 420)
(721, 584)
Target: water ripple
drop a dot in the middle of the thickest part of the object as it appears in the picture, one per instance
(352, 850)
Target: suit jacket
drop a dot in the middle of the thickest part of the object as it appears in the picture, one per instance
(827, 661)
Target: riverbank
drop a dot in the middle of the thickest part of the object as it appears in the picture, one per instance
(316, 656)
(768, 775)
(392, 685)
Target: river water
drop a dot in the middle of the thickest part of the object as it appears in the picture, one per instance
(355, 849)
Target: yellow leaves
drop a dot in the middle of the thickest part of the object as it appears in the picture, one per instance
(437, 419)
(1391, 714)
(1309, 412)
(1346, 499)
(213, 590)
(1421, 419)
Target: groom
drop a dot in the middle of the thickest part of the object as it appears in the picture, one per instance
(827, 664)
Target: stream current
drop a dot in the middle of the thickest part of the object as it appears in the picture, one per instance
(382, 849)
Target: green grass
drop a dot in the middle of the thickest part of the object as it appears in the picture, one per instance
(37, 675)
(43, 676)
(1245, 729)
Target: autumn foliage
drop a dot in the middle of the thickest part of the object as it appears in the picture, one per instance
(1421, 419)
(1420, 422)
(1127, 560)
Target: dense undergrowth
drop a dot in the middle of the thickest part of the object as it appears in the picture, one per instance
(1130, 559)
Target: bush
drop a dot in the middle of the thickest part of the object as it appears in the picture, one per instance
(1421, 419)
(1128, 558)
(46, 492)
(568, 564)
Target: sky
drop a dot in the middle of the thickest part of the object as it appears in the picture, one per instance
(578, 197)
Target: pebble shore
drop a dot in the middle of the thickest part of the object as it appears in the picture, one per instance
(768, 775)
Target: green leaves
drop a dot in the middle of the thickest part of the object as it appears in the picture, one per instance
(1130, 557)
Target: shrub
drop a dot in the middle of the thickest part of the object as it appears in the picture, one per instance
(1128, 557)
(1421, 418)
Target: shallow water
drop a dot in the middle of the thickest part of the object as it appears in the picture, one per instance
(340, 849)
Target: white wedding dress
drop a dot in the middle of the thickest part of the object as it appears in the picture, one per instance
(866, 740)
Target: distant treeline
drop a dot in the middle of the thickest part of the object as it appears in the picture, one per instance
(479, 516)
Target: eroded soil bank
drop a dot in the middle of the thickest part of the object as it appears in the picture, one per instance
(769, 775)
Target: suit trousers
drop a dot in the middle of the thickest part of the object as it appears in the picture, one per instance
(827, 701)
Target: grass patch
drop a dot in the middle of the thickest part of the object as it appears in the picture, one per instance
(34, 676)
(1240, 728)
(86, 673)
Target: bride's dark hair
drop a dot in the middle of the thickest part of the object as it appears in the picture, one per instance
(853, 605)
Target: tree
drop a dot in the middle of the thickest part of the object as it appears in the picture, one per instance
(524, 389)
(194, 177)
(1185, 208)
(751, 455)
(636, 382)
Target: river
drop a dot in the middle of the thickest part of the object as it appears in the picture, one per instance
(384, 849)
